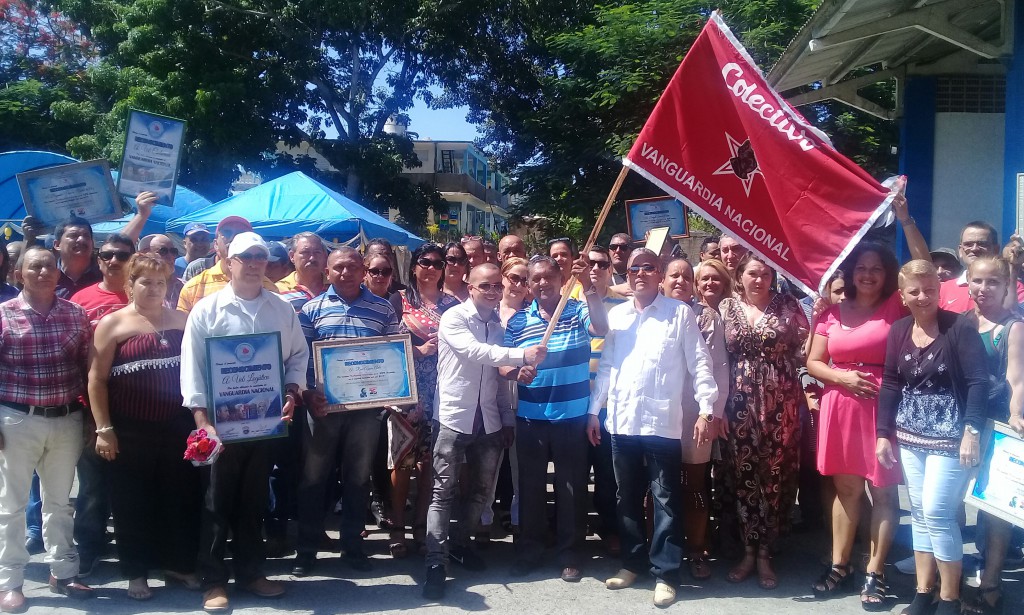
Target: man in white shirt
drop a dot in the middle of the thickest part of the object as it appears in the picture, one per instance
(475, 419)
(653, 352)
(238, 482)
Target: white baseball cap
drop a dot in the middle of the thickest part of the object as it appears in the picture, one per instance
(244, 241)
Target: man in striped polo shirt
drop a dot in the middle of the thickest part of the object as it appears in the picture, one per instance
(345, 310)
(551, 419)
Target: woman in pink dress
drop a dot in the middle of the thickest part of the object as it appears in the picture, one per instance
(847, 354)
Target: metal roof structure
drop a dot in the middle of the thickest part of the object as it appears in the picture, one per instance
(891, 39)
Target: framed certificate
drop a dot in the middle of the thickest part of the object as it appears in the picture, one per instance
(365, 372)
(246, 386)
(152, 155)
(998, 486)
(645, 215)
(82, 188)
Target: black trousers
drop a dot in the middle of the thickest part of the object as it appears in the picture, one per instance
(236, 490)
(565, 443)
(155, 496)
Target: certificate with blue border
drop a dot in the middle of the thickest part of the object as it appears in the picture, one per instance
(645, 215)
(365, 372)
(246, 386)
(84, 189)
(152, 156)
(998, 486)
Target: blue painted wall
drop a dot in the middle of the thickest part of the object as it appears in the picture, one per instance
(1013, 153)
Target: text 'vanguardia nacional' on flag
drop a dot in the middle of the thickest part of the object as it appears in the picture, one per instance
(729, 146)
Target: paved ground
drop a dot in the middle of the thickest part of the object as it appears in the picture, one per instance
(393, 588)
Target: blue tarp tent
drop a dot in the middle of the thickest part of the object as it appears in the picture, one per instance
(12, 163)
(297, 203)
(12, 207)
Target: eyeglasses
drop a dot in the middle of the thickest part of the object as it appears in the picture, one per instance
(252, 257)
(564, 240)
(602, 265)
(454, 260)
(165, 251)
(646, 268)
(469, 238)
(487, 287)
(121, 255)
(380, 272)
(429, 262)
(616, 247)
(515, 280)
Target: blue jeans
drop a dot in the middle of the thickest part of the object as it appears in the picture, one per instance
(34, 512)
(349, 438)
(662, 474)
(936, 486)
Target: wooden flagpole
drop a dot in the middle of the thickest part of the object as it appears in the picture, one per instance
(586, 248)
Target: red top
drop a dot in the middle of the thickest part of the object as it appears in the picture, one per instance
(145, 378)
(97, 302)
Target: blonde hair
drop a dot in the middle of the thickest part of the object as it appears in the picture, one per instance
(722, 270)
(509, 263)
(1001, 267)
(917, 268)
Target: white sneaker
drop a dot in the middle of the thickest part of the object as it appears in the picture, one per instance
(622, 579)
(664, 594)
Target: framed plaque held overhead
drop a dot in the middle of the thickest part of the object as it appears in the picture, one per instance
(998, 486)
(84, 189)
(152, 155)
(245, 376)
(365, 372)
(645, 215)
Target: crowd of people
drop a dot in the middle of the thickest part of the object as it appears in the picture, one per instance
(702, 399)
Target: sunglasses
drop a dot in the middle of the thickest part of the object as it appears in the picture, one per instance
(616, 247)
(251, 257)
(454, 260)
(646, 268)
(602, 265)
(380, 272)
(429, 262)
(121, 255)
(515, 280)
(487, 287)
(469, 238)
(165, 251)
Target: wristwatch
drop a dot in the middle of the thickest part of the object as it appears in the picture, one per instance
(971, 430)
(708, 418)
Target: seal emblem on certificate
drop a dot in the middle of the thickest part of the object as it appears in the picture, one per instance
(365, 372)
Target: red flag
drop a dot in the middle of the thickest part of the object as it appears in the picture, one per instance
(726, 144)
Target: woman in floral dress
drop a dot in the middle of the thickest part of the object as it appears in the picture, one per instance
(765, 333)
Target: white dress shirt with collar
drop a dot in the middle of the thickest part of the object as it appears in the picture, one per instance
(650, 358)
(469, 352)
(223, 313)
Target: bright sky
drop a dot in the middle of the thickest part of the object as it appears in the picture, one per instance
(441, 124)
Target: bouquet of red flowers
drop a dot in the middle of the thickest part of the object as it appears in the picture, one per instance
(201, 448)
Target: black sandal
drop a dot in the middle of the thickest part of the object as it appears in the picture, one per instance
(836, 580)
(924, 603)
(876, 590)
(978, 605)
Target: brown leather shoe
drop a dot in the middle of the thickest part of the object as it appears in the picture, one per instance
(265, 588)
(215, 600)
(70, 587)
(12, 601)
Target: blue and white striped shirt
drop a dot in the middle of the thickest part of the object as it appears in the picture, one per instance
(328, 316)
(561, 389)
